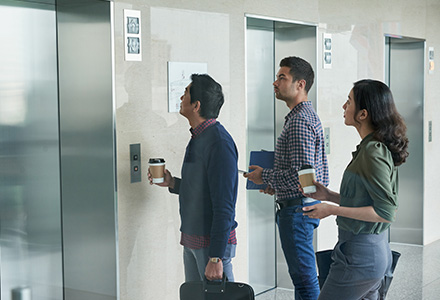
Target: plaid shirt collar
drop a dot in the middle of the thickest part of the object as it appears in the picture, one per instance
(297, 108)
(199, 129)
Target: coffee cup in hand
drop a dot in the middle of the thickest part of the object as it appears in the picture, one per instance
(157, 169)
(306, 176)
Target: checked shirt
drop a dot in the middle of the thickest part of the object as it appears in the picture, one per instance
(300, 142)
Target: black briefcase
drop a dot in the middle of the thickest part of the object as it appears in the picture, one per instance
(216, 290)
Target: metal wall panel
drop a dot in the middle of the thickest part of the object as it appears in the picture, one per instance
(30, 216)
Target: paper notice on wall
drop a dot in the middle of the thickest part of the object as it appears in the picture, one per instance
(179, 76)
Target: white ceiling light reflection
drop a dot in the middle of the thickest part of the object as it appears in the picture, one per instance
(13, 108)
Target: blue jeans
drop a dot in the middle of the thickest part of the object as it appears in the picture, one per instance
(296, 235)
(195, 261)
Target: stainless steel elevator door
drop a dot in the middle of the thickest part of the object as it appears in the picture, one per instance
(260, 116)
(87, 139)
(30, 222)
(292, 40)
(405, 70)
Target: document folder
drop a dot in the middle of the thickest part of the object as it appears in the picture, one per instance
(263, 159)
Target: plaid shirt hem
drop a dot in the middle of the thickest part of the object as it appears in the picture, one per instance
(199, 242)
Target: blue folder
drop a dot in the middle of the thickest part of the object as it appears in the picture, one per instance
(263, 159)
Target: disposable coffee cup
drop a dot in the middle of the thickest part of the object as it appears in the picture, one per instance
(157, 169)
(306, 176)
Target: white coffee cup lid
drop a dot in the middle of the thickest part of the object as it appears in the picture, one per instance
(306, 171)
(156, 161)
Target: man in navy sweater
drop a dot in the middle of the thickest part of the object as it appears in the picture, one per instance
(208, 185)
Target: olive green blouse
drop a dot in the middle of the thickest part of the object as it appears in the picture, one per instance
(370, 179)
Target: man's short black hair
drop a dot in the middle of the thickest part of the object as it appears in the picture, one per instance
(209, 93)
(299, 69)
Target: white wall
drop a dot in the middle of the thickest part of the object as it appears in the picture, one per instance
(213, 32)
(431, 208)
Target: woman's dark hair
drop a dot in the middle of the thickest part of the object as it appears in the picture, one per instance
(209, 92)
(390, 129)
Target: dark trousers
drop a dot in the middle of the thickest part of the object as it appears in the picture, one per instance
(360, 264)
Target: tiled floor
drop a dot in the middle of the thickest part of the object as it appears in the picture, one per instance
(417, 275)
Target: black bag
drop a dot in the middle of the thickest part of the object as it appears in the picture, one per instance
(216, 290)
(323, 260)
(386, 281)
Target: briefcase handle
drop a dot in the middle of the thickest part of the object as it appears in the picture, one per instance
(215, 287)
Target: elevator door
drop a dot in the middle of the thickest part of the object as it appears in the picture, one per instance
(30, 221)
(267, 42)
(261, 130)
(405, 75)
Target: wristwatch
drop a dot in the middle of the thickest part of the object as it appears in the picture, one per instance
(215, 260)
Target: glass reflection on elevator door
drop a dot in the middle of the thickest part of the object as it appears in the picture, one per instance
(30, 221)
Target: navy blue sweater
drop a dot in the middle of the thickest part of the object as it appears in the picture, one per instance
(208, 187)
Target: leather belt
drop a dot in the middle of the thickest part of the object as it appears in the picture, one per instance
(289, 202)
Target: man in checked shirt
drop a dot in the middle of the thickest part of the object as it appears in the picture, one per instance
(301, 142)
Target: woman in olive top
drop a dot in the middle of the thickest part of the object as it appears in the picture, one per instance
(368, 195)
